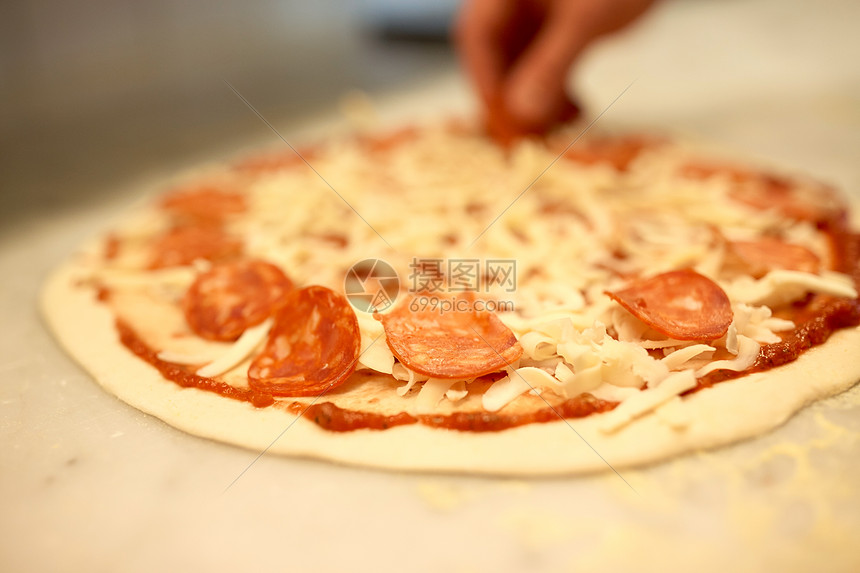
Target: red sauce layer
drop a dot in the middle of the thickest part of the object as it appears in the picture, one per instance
(817, 320)
(577, 407)
(183, 376)
(832, 315)
(336, 419)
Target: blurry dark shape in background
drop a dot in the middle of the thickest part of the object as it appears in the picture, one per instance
(414, 21)
(99, 92)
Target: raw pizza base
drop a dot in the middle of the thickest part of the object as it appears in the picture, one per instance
(726, 413)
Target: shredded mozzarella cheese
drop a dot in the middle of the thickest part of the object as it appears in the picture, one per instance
(598, 226)
(646, 401)
(431, 393)
(411, 378)
(782, 287)
(239, 351)
(747, 355)
(678, 358)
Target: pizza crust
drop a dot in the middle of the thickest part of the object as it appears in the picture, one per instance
(726, 413)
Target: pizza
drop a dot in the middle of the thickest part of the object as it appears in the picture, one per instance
(425, 299)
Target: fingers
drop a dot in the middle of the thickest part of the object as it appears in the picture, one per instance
(478, 35)
(623, 13)
(518, 54)
(534, 92)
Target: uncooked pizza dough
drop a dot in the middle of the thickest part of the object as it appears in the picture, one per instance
(593, 224)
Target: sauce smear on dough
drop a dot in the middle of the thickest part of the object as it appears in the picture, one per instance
(183, 377)
(828, 316)
(336, 419)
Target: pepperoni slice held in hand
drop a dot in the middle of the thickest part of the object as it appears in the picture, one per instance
(456, 345)
(768, 254)
(500, 127)
(313, 346)
(227, 299)
(683, 305)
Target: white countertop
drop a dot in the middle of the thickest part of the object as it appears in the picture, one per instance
(88, 483)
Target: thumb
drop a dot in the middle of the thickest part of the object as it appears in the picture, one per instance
(534, 91)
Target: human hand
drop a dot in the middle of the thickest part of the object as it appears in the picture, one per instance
(518, 54)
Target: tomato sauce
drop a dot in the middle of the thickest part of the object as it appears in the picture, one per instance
(336, 419)
(183, 376)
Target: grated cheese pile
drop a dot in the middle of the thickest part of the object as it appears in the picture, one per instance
(577, 231)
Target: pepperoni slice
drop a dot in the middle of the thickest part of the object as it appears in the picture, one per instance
(454, 344)
(768, 253)
(204, 204)
(619, 152)
(227, 299)
(338, 240)
(683, 305)
(388, 141)
(183, 245)
(814, 202)
(112, 246)
(268, 163)
(313, 346)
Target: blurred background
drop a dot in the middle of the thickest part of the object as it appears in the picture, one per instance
(96, 93)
